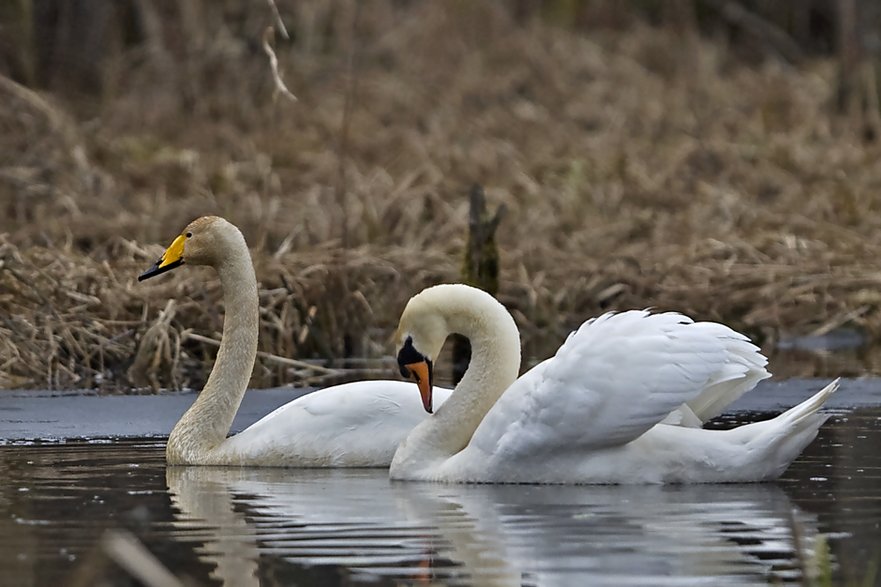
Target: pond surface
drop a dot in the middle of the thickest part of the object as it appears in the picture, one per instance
(351, 527)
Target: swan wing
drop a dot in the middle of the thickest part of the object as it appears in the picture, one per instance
(717, 396)
(612, 380)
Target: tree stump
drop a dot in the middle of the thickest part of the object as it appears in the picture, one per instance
(480, 266)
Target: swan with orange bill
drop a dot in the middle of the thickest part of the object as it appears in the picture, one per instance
(622, 401)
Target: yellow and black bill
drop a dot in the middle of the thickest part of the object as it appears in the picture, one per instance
(171, 258)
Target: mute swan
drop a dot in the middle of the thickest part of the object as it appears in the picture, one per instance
(351, 425)
(621, 402)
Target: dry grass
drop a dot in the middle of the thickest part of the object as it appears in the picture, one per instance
(639, 168)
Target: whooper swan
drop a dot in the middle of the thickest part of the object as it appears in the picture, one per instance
(622, 401)
(351, 425)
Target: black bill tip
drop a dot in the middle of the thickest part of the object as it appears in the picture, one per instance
(157, 270)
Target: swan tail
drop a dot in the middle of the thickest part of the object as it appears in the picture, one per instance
(807, 410)
(780, 440)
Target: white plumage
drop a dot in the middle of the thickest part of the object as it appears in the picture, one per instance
(352, 425)
(593, 413)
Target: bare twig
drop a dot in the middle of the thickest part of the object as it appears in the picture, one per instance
(130, 554)
(270, 356)
(341, 187)
(278, 21)
(280, 87)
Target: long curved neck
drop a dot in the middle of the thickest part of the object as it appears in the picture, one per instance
(205, 425)
(495, 364)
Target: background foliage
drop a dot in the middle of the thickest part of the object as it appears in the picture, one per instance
(718, 158)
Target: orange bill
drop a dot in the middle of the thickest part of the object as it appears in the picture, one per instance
(421, 372)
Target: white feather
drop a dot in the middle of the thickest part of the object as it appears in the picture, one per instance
(622, 401)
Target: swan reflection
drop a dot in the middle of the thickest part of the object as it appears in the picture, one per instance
(364, 527)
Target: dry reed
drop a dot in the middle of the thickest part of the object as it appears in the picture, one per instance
(639, 168)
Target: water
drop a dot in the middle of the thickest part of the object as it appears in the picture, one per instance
(314, 527)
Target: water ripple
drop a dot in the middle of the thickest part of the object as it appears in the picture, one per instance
(313, 527)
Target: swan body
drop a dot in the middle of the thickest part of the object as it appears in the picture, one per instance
(622, 401)
(351, 425)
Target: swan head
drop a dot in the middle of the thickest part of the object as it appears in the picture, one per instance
(421, 333)
(205, 241)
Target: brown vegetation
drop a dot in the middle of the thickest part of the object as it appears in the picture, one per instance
(639, 167)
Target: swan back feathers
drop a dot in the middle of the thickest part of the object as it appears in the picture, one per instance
(613, 379)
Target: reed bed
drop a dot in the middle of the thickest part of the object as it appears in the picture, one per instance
(640, 167)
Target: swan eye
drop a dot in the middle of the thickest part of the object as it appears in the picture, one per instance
(189, 235)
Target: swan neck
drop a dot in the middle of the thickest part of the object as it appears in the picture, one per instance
(205, 425)
(494, 365)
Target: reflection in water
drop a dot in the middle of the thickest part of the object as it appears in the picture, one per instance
(232, 550)
(485, 534)
(346, 528)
